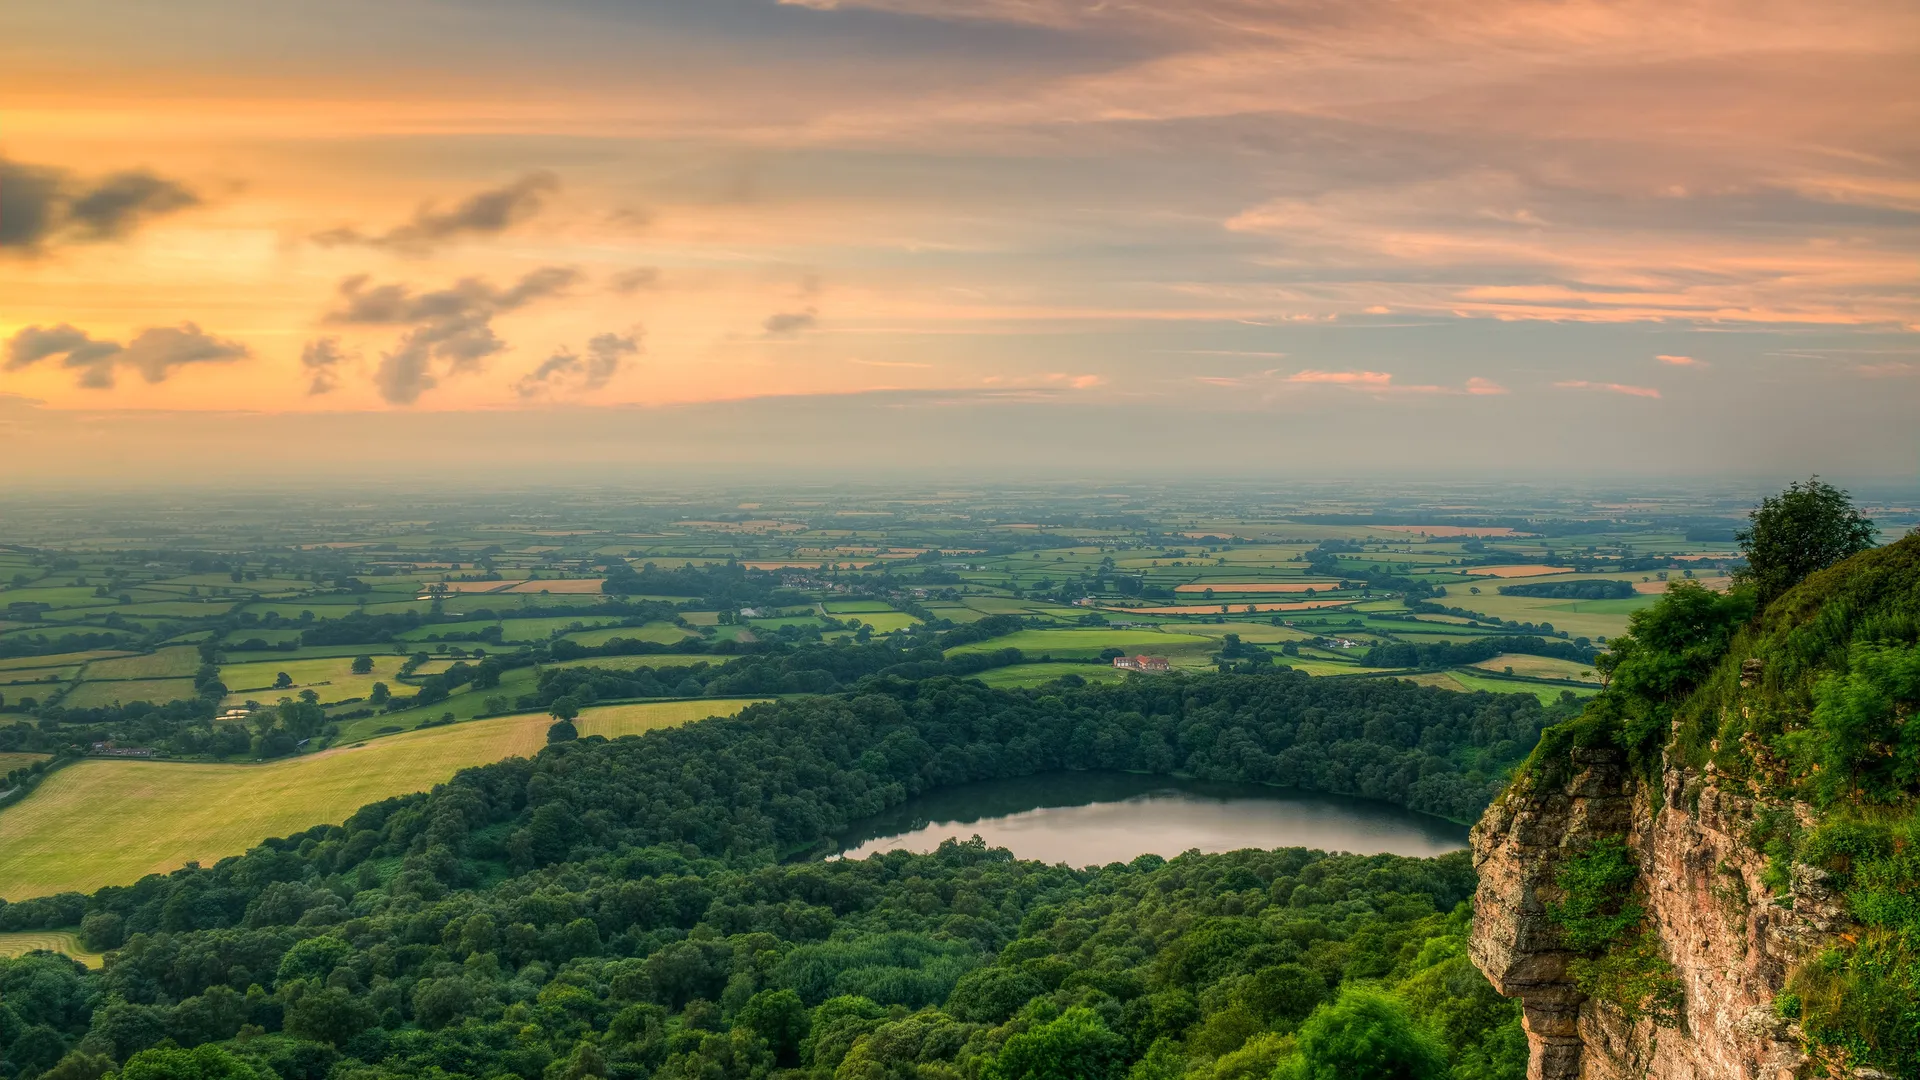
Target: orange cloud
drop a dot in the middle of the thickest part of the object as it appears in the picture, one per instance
(1609, 387)
(1680, 361)
(1344, 378)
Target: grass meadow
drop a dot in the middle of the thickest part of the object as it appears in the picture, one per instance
(172, 662)
(60, 941)
(95, 695)
(107, 822)
(331, 677)
(1088, 642)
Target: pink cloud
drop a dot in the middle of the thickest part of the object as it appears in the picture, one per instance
(1345, 378)
(1609, 387)
(1680, 361)
(1890, 369)
(1478, 385)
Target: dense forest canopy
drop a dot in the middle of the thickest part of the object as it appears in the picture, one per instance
(623, 900)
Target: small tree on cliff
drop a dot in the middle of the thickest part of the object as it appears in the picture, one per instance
(1805, 528)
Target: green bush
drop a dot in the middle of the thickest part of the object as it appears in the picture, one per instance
(1365, 1035)
(1077, 1046)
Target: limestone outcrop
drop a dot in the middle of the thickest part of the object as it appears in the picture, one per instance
(1730, 941)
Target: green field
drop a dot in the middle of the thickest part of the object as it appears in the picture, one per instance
(882, 622)
(11, 760)
(1471, 680)
(1581, 618)
(1541, 667)
(55, 660)
(28, 676)
(23, 942)
(838, 608)
(1089, 642)
(162, 815)
(95, 695)
(515, 629)
(172, 662)
(664, 633)
(331, 677)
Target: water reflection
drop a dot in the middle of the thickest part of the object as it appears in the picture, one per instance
(1093, 818)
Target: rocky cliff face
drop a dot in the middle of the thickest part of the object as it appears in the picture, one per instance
(1731, 943)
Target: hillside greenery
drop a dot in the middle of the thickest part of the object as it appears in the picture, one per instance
(1810, 700)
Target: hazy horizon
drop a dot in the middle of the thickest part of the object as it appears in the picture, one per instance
(1629, 238)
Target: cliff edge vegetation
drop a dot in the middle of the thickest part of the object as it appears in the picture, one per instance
(1748, 781)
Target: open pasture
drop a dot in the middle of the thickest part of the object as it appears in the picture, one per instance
(1471, 680)
(1074, 642)
(22, 942)
(172, 662)
(57, 659)
(1528, 570)
(1582, 618)
(99, 695)
(1541, 667)
(11, 760)
(883, 622)
(28, 676)
(331, 677)
(571, 586)
(161, 815)
(1220, 587)
(468, 586)
(663, 633)
(1234, 607)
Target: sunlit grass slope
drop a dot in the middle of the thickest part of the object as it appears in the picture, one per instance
(106, 822)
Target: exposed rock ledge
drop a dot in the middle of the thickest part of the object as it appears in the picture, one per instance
(1730, 942)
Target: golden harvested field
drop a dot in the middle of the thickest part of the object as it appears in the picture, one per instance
(1219, 587)
(1526, 570)
(570, 585)
(61, 941)
(473, 586)
(102, 822)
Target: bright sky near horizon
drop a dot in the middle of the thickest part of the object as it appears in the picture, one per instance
(1586, 224)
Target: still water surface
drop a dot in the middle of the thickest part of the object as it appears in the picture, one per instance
(1093, 818)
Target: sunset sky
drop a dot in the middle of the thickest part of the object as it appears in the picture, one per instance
(1635, 235)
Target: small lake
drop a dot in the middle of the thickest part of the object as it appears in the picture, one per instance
(1094, 818)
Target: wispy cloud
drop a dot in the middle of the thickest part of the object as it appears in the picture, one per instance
(156, 352)
(484, 213)
(322, 359)
(568, 372)
(452, 327)
(789, 323)
(1609, 387)
(1343, 378)
(41, 205)
(1680, 361)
